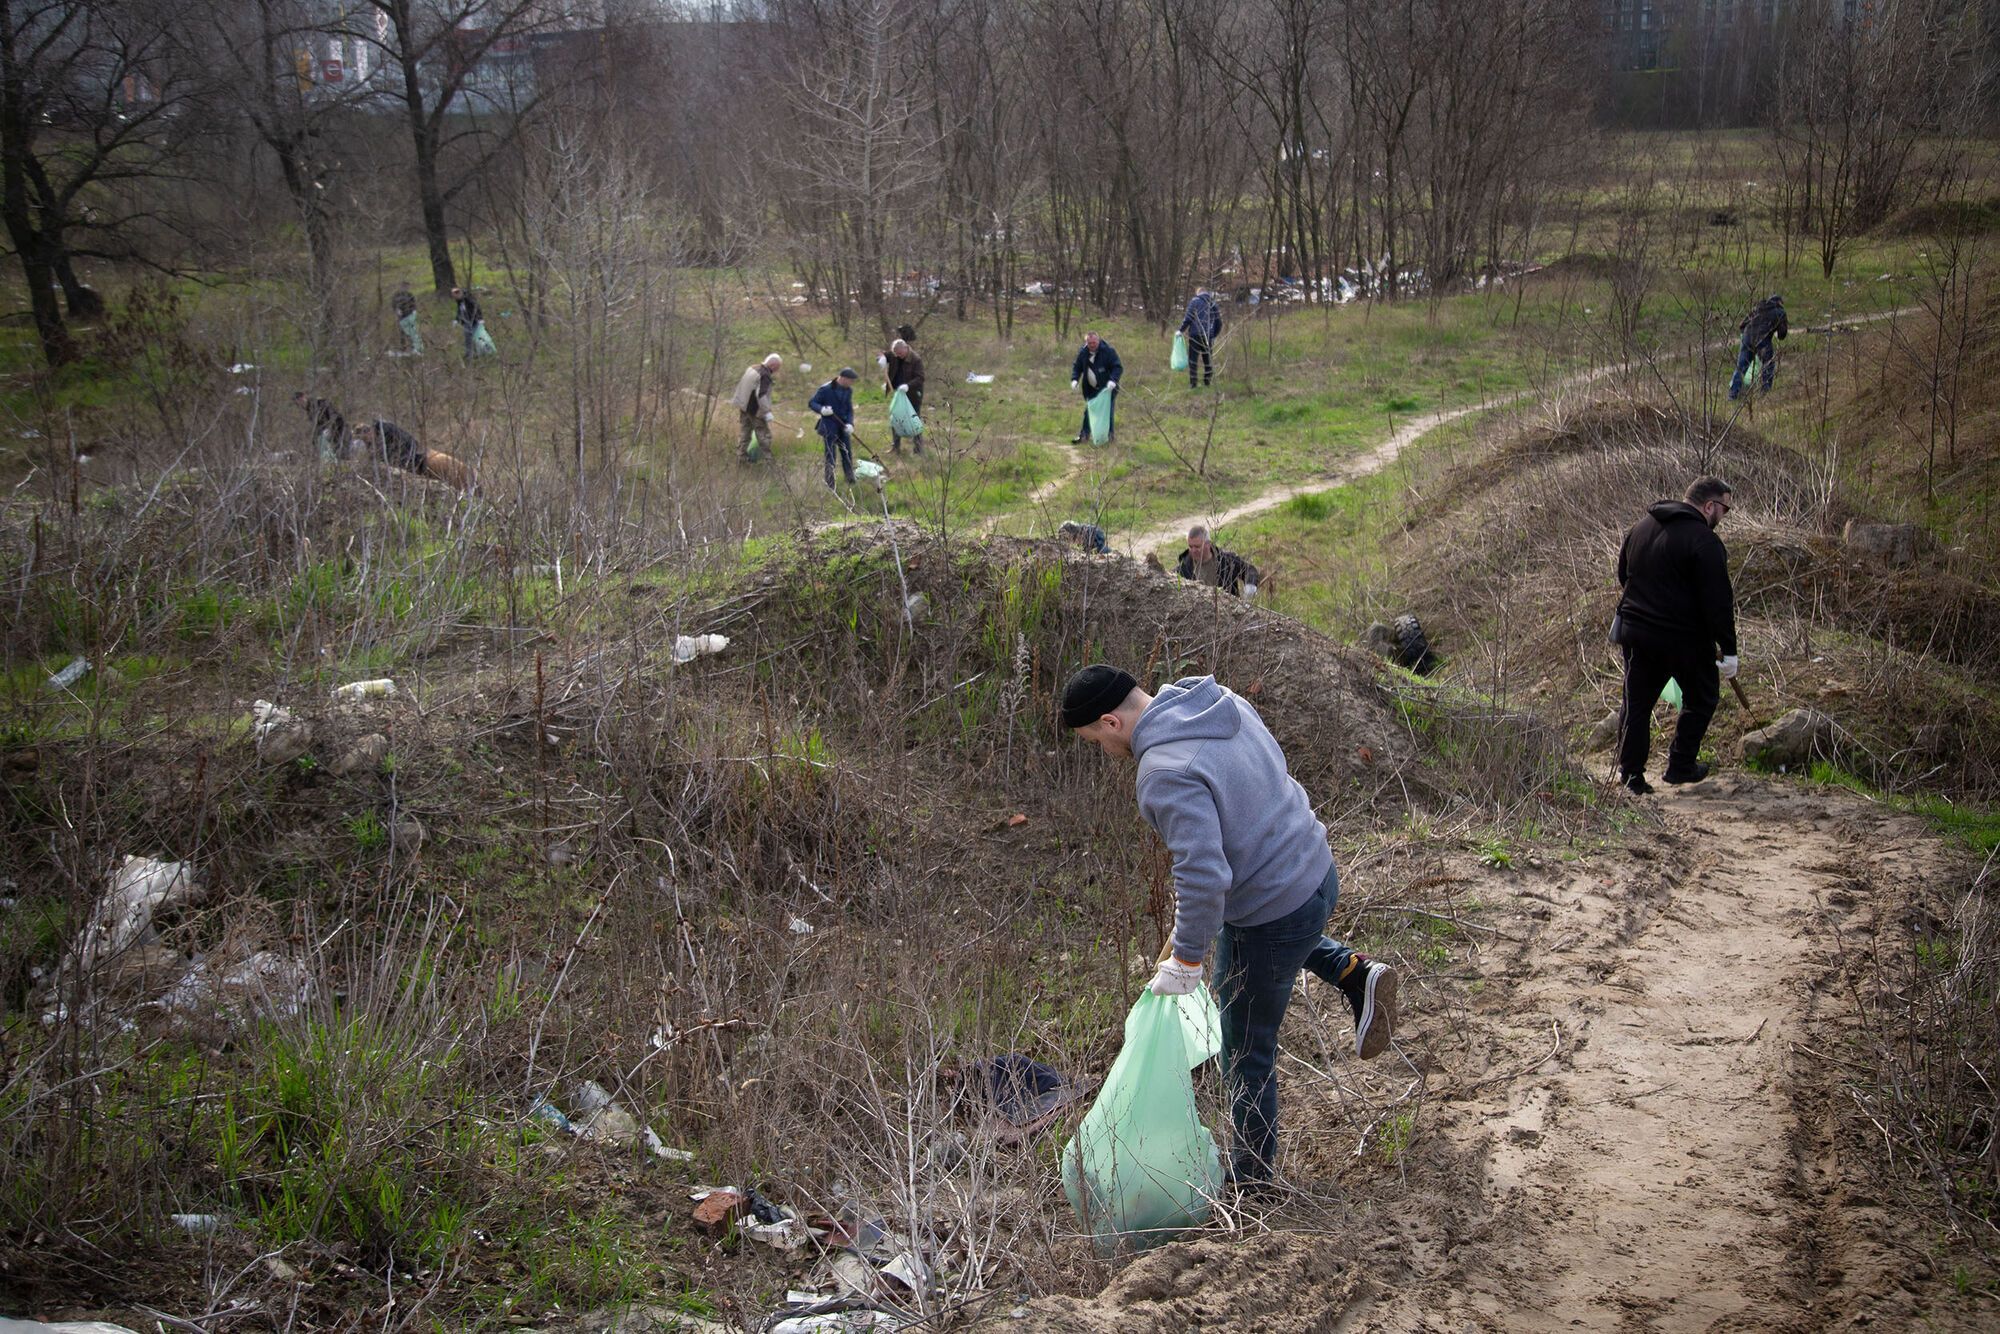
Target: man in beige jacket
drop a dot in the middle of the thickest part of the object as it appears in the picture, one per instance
(753, 407)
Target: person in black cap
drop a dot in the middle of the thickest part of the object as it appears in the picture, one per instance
(1252, 874)
(834, 402)
(903, 369)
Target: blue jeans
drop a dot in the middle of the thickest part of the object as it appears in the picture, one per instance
(1255, 968)
(1761, 351)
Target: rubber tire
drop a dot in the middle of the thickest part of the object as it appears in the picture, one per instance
(1413, 650)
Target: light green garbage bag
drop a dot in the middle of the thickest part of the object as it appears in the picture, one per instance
(1201, 1026)
(1672, 694)
(1099, 411)
(903, 418)
(408, 324)
(1142, 1167)
(482, 342)
(1178, 361)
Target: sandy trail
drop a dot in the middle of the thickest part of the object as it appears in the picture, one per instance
(1643, 1136)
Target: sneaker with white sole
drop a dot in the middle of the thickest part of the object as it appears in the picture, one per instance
(1370, 988)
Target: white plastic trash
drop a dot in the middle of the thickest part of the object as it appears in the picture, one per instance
(974, 378)
(70, 675)
(140, 887)
(689, 647)
(867, 471)
(365, 689)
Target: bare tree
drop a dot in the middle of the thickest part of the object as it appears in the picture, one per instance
(432, 48)
(89, 93)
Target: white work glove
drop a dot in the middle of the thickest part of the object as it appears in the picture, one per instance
(1072, 384)
(826, 412)
(902, 389)
(1110, 384)
(767, 416)
(1175, 978)
(1728, 667)
(847, 428)
(1249, 590)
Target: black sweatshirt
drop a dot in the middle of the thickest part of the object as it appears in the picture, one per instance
(1675, 572)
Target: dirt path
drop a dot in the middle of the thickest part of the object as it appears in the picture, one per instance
(1664, 1170)
(1381, 455)
(1640, 1134)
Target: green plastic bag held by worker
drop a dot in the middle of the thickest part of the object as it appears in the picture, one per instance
(1099, 410)
(1201, 1026)
(1142, 1167)
(1672, 693)
(482, 342)
(1178, 361)
(903, 418)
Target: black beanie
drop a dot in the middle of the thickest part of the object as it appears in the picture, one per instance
(1094, 692)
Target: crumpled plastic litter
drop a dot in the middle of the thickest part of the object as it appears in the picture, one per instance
(140, 887)
(689, 647)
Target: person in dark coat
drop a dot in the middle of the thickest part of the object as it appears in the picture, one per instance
(472, 321)
(328, 426)
(904, 369)
(1095, 371)
(1206, 563)
(1203, 325)
(1765, 321)
(1676, 619)
(834, 402)
(1086, 535)
(399, 449)
(404, 303)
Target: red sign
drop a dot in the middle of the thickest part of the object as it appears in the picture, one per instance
(330, 71)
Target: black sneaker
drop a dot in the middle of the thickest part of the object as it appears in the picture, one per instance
(1636, 784)
(1694, 773)
(1370, 988)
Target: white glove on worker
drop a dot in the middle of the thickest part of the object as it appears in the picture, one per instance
(902, 389)
(826, 412)
(847, 428)
(1111, 384)
(1175, 978)
(767, 416)
(1728, 667)
(1249, 590)
(1072, 384)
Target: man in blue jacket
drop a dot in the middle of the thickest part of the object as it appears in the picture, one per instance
(1095, 371)
(1765, 321)
(1252, 873)
(1203, 325)
(834, 402)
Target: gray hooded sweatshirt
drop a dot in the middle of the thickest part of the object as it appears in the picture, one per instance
(1212, 783)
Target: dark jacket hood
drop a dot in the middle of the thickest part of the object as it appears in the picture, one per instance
(1671, 511)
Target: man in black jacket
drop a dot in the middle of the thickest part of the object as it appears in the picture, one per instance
(329, 427)
(1765, 321)
(1095, 371)
(1676, 619)
(1206, 563)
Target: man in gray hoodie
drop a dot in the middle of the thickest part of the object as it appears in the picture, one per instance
(1252, 873)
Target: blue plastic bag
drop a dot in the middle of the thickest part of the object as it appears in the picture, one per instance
(1142, 1168)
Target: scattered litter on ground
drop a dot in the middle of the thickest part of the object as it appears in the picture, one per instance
(833, 1322)
(915, 605)
(1016, 820)
(266, 984)
(801, 927)
(866, 470)
(716, 1209)
(280, 737)
(689, 647)
(365, 689)
(197, 1224)
(975, 378)
(64, 1327)
(363, 755)
(1023, 1094)
(242, 368)
(550, 1114)
(70, 675)
(140, 888)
